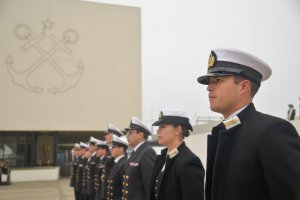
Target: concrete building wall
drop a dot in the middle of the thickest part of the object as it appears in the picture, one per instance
(68, 65)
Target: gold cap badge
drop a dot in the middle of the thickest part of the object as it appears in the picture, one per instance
(212, 59)
(160, 115)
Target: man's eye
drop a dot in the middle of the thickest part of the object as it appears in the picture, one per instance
(162, 126)
(217, 80)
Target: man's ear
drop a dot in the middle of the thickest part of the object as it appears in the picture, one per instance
(245, 86)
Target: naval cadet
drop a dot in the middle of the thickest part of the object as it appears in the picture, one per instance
(91, 164)
(139, 167)
(87, 155)
(250, 155)
(76, 149)
(101, 149)
(112, 130)
(115, 178)
(109, 161)
(178, 173)
(79, 170)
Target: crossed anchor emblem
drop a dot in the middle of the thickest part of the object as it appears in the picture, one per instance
(21, 78)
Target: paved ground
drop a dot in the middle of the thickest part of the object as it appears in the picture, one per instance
(40, 190)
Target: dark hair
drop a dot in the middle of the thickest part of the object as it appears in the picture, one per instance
(185, 130)
(103, 147)
(253, 86)
(144, 135)
(123, 146)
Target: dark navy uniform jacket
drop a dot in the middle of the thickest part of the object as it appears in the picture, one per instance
(115, 180)
(108, 165)
(137, 173)
(90, 180)
(98, 173)
(73, 172)
(256, 159)
(183, 176)
(79, 174)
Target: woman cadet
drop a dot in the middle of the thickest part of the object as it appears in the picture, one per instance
(178, 173)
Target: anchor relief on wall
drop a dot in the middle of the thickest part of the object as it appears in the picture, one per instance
(50, 50)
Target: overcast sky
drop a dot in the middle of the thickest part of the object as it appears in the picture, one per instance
(177, 37)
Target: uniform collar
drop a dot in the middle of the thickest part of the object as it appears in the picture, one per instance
(137, 146)
(172, 153)
(233, 120)
(165, 151)
(236, 112)
(118, 158)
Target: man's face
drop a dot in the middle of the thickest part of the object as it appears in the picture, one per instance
(81, 152)
(133, 137)
(115, 151)
(76, 152)
(92, 148)
(87, 154)
(108, 138)
(224, 94)
(101, 152)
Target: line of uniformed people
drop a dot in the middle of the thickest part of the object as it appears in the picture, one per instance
(101, 170)
(250, 155)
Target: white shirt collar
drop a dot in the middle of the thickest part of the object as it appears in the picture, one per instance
(137, 146)
(236, 113)
(101, 158)
(118, 158)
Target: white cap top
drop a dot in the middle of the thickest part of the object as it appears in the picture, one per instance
(173, 116)
(137, 124)
(101, 143)
(83, 145)
(227, 61)
(174, 112)
(93, 140)
(244, 58)
(115, 130)
(119, 140)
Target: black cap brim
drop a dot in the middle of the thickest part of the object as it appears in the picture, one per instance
(139, 129)
(206, 78)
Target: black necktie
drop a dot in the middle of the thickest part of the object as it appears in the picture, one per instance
(132, 154)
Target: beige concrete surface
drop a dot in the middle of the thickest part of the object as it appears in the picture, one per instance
(45, 190)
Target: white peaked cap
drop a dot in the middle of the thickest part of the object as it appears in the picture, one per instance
(228, 61)
(119, 140)
(174, 112)
(83, 145)
(101, 143)
(93, 140)
(115, 130)
(137, 124)
(173, 116)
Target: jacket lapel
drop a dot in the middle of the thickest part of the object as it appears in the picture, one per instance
(134, 156)
(138, 151)
(169, 163)
(219, 143)
(116, 167)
